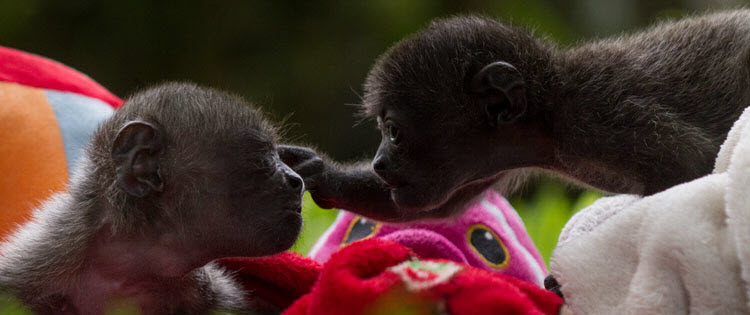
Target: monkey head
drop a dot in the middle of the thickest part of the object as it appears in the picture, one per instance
(197, 169)
(457, 106)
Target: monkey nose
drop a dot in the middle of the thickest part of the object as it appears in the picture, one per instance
(291, 178)
(383, 170)
(380, 165)
(295, 181)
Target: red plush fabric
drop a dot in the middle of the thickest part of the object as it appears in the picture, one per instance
(278, 280)
(368, 277)
(352, 279)
(35, 71)
(476, 291)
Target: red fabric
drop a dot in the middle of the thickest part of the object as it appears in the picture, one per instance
(278, 280)
(546, 301)
(352, 278)
(35, 71)
(477, 291)
(357, 280)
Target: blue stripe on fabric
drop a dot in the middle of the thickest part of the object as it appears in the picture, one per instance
(77, 117)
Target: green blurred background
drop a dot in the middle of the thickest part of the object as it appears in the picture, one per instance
(304, 62)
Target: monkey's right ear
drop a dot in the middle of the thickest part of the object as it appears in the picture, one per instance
(500, 87)
(136, 152)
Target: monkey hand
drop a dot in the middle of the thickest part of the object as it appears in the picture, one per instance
(314, 170)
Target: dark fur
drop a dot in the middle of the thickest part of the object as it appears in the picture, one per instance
(634, 114)
(225, 193)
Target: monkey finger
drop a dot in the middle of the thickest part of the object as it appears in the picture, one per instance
(293, 155)
(310, 168)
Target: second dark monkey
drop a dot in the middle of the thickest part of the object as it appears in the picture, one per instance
(471, 102)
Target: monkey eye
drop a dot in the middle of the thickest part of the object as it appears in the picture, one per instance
(393, 132)
(488, 246)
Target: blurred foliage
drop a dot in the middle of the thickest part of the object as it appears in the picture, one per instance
(315, 222)
(9, 305)
(547, 209)
(303, 61)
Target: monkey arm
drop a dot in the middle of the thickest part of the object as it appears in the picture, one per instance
(355, 188)
(358, 189)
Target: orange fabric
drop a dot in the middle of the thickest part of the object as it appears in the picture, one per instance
(32, 157)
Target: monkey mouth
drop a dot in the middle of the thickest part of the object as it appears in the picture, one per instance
(298, 209)
(294, 207)
(392, 182)
(414, 199)
(409, 197)
(390, 178)
(393, 186)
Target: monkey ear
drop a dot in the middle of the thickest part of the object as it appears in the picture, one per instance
(136, 153)
(500, 88)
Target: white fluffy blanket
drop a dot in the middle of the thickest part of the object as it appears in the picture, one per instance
(685, 250)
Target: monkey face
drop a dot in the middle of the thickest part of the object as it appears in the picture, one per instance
(440, 146)
(252, 200)
(434, 165)
(429, 166)
(202, 166)
(263, 204)
(451, 103)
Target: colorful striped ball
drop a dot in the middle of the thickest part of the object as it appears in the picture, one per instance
(48, 111)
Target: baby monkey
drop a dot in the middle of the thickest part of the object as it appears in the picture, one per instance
(471, 102)
(179, 176)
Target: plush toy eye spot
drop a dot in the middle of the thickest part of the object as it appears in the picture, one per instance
(488, 236)
(488, 246)
(360, 228)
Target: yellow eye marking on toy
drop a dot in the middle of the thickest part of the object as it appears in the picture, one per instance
(483, 241)
(360, 228)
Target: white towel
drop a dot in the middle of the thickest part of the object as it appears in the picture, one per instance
(685, 250)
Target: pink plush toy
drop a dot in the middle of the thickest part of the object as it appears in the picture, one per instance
(489, 235)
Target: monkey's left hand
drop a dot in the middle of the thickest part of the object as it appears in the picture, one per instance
(356, 188)
(314, 171)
